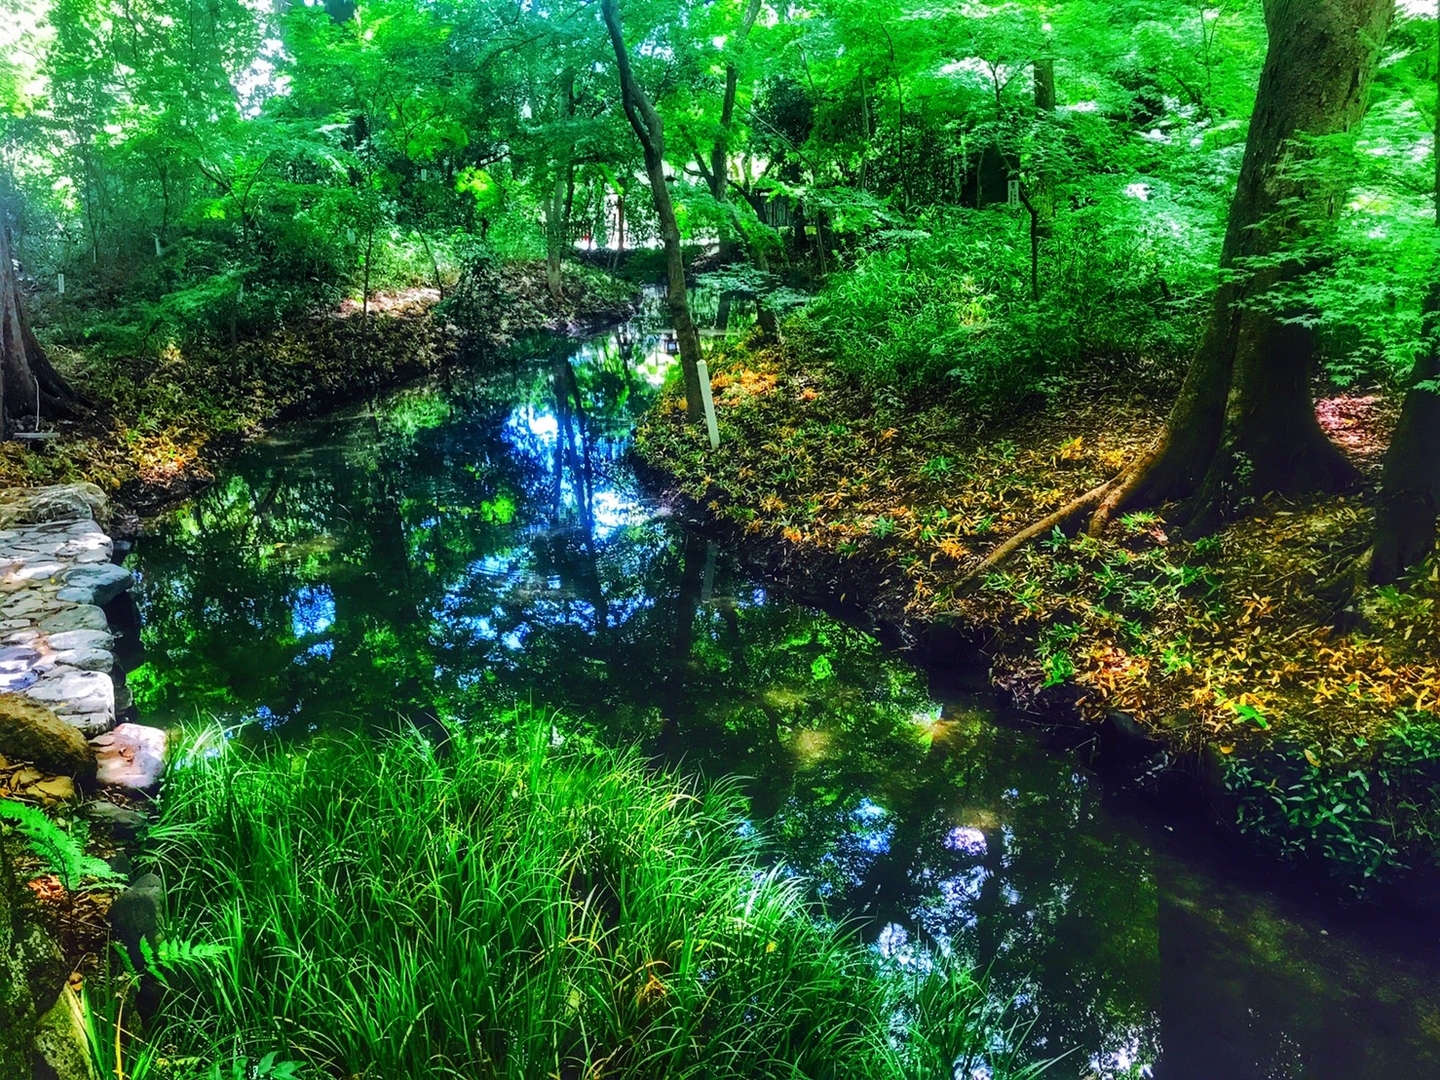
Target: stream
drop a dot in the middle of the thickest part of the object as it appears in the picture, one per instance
(477, 546)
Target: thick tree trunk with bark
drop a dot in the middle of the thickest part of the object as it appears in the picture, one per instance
(1405, 525)
(651, 133)
(27, 381)
(1244, 424)
(1405, 517)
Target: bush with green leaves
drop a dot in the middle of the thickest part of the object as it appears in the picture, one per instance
(1366, 824)
(523, 910)
(950, 308)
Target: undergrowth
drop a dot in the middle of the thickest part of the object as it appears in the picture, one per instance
(478, 910)
(1226, 645)
(950, 308)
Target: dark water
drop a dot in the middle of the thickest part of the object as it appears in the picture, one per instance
(478, 542)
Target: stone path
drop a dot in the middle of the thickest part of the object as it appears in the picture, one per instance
(55, 573)
(55, 640)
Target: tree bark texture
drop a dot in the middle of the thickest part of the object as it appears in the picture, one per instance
(1405, 525)
(1244, 424)
(718, 175)
(27, 381)
(651, 133)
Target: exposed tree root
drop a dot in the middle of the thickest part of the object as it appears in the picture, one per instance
(1124, 488)
(1059, 519)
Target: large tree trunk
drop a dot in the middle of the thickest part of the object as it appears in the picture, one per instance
(1405, 525)
(1244, 424)
(29, 386)
(651, 133)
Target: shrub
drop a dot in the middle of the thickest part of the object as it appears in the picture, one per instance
(950, 307)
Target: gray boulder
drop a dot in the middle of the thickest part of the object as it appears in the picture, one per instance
(136, 914)
(61, 502)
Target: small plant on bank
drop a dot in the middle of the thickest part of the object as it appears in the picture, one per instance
(62, 853)
(1356, 822)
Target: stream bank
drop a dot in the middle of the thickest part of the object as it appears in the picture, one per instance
(477, 549)
(1213, 667)
(156, 423)
(71, 757)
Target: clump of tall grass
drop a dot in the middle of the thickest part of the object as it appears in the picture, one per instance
(392, 911)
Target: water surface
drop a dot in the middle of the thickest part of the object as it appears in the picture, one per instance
(480, 540)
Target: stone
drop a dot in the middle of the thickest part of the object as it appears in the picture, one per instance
(32, 972)
(80, 617)
(100, 584)
(91, 724)
(31, 732)
(61, 1046)
(67, 690)
(51, 790)
(12, 682)
(39, 570)
(59, 503)
(86, 659)
(124, 824)
(28, 603)
(131, 756)
(135, 915)
(17, 658)
(81, 640)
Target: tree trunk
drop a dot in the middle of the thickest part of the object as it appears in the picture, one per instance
(29, 386)
(557, 206)
(1405, 525)
(719, 172)
(554, 238)
(651, 133)
(1244, 424)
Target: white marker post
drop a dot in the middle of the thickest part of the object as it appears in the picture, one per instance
(60, 284)
(708, 400)
(157, 246)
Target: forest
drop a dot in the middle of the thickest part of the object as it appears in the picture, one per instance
(719, 538)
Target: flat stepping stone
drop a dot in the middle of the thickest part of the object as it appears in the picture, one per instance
(40, 570)
(86, 659)
(12, 682)
(95, 584)
(67, 690)
(80, 617)
(17, 658)
(32, 602)
(131, 756)
(82, 639)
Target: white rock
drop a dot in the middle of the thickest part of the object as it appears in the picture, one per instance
(131, 756)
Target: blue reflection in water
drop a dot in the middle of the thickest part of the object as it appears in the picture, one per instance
(313, 611)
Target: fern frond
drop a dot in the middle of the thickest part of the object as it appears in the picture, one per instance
(62, 853)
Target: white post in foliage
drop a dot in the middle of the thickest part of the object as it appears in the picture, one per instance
(157, 245)
(707, 399)
(60, 284)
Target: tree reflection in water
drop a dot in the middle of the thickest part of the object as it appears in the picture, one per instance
(477, 549)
